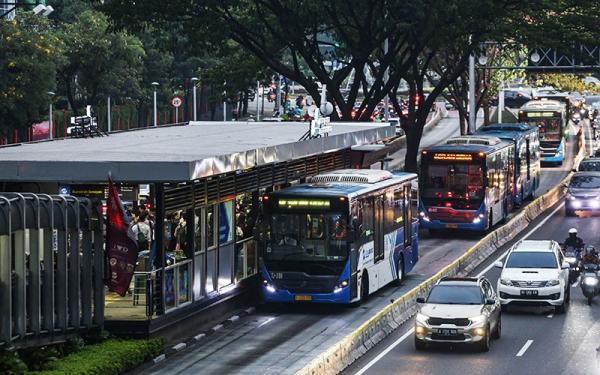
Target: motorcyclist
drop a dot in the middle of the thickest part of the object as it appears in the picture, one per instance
(573, 240)
(590, 256)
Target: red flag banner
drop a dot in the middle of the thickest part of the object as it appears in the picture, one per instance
(121, 248)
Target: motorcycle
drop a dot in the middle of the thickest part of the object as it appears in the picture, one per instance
(590, 282)
(573, 257)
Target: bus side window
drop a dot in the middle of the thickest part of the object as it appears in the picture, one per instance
(394, 216)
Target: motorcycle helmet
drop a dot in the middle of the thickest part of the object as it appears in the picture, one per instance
(573, 231)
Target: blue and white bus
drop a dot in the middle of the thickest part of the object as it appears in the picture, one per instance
(526, 178)
(340, 237)
(466, 183)
(550, 117)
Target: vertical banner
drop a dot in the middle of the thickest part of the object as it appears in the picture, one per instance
(121, 247)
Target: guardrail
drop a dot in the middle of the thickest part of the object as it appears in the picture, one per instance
(354, 345)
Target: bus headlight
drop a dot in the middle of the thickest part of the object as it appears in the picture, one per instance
(270, 288)
(341, 285)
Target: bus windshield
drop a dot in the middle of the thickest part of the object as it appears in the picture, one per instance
(314, 237)
(549, 128)
(455, 180)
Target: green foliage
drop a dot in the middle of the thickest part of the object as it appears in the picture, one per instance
(98, 61)
(107, 358)
(10, 363)
(565, 82)
(28, 56)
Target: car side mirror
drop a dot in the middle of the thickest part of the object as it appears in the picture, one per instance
(420, 300)
(498, 264)
(490, 301)
(565, 265)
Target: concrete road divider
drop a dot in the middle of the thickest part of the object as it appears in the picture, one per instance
(354, 345)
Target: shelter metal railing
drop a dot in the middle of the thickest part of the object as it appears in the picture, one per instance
(51, 268)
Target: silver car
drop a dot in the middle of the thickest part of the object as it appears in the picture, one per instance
(459, 310)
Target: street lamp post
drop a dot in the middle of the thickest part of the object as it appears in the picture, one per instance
(472, 110)
(256, 99)
(194, 80)
(155, 85)
(50, 124)
(224, 101)
(108, 119)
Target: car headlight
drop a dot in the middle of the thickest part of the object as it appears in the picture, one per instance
(552, 282)
(570, 197)
(506, 282)
(591, 281)
(478, 320)
(421, 319)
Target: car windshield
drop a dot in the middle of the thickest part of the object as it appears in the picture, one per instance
(592, 100)
(531, 259)
(455, 180)
(585, 182)
(307, 237)
(455, 295)
(589, 166)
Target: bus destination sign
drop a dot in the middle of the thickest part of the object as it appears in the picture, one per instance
(304, 203)
(540, 114)
(452, 156)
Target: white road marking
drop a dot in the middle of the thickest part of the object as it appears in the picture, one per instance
(266, 322)
(483, 272)
(576, 284)
(524, 348)
(386, 351)
(550, 316)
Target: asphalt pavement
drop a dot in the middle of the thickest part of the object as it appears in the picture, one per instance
(281, 339)
(534, 340)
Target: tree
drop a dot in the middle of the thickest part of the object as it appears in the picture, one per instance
(27, 70)
(98, 62)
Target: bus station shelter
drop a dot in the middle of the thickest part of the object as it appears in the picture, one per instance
(203, 182)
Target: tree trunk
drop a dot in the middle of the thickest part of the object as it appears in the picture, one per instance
(462, 123)
(486, 111)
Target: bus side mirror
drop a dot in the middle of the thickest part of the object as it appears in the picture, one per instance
(354, 231)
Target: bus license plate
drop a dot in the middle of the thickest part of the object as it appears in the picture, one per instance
(448, 332)
(529, 292)
(452, 226)
(303, 298)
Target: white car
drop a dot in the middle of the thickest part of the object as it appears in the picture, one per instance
(459, 310)
(535, 273)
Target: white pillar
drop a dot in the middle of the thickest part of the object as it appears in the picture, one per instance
(500, 105)
(472, 110)
(195, 103)
(108, 119)
(278, 104)
(50, 123)
(176, 115)
(155, 110)
(256, 99)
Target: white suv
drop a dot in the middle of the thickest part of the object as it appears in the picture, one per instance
(534, 274)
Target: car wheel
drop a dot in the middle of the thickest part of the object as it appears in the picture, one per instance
(400, 272)
(504, 308)
(590, 300)
(569, 212)
(419, 345)
(484, 345)
(498, 330)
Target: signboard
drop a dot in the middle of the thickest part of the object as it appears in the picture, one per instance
(304, 203)
(452, 157)
(176, 101)
(540, 114)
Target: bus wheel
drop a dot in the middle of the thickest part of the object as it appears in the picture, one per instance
(400, 271)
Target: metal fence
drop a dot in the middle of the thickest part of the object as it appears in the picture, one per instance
(51, 259)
